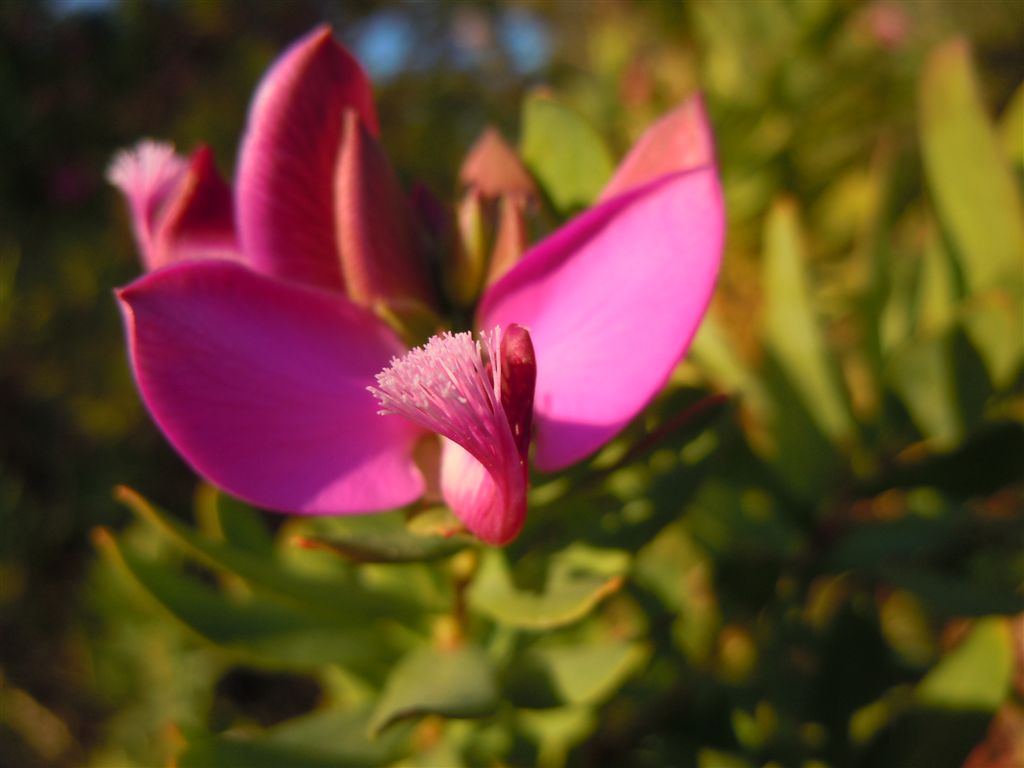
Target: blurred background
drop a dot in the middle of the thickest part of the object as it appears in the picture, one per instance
(821, 116)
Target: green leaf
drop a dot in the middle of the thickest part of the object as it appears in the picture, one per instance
(563, 673)
(976, 675)
(380, 538)
(254, 627)
(329, 739)
(457, 683)
(792, 329)
(565, 154)
(715, 355)
(327, 596)
(992, 322)
(680, 573)
(974, 190)
(1011, 128)
(568, 596)
(223, 518)
(922, 374)
(556, 731)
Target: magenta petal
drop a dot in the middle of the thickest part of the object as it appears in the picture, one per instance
(491, 505)
(679, 141)
(261, 386)
(612, 301)
(378, 241)
(287, 160)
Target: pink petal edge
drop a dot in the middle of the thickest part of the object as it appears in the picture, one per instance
(678, 141)
(612, 301)
(261, 386)
(286, 167)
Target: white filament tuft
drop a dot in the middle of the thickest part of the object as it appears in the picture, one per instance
(445, 386)
(145, 168)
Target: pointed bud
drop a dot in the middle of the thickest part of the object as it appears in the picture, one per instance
(468, 259)
(381, 255)
(493, 168)
(512, 238)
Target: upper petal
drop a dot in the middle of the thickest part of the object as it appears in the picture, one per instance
(678, 141)
(379, 243)
(261, 386)
(611, 301)
(288, 155)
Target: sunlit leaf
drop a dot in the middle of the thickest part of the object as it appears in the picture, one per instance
(567, 597)
(456, 683)
(1011, 128)
(568, 157)
(556, 673)
(792, 328)
(973, 188)
(976, 675)
(328, 739)
(923, 375)
(556, 731)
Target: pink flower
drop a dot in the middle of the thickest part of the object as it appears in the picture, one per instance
(257, 369)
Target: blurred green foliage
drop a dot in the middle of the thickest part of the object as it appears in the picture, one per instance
(828, 570)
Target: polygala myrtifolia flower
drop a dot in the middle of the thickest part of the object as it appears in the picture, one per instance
(257, 339)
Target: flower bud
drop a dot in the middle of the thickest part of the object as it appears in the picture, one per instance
(468, 259)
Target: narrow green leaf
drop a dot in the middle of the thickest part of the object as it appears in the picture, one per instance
(565, 154)
(223, 518)
(923, 376)
(457, 683)
(568, 596)
(976, 675)
(330, 597)
(936, 289)
(381, 538)
(1011, 128)
(992, 320)
(254, 627)
(714, 353)
(971, 182)
(792, 329)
